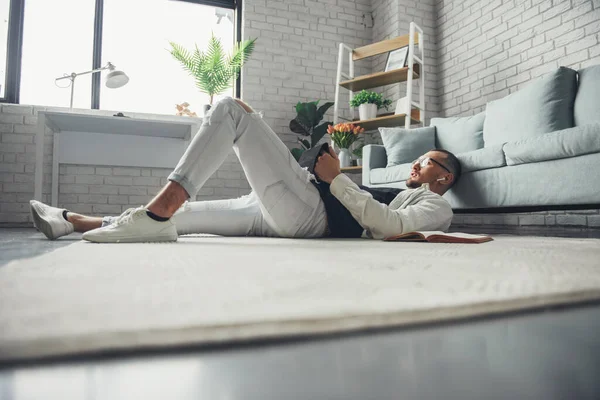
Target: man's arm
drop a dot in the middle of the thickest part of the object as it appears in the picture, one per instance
(328, 166)
(432, 213)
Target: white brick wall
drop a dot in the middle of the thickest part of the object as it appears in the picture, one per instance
(582, 219)
(295, 58)
(489, 49)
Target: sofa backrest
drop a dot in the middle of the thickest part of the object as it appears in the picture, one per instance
(544, 105)
(459, 134)
(587, 101)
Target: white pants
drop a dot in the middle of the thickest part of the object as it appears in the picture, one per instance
(283, 201)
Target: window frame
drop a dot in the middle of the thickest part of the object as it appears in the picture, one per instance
(15, 46)
(13, 52)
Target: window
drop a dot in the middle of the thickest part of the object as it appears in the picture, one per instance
(139, 46)
(58, 38)
(4, 16)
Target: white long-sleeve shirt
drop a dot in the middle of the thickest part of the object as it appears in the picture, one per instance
(412, 210)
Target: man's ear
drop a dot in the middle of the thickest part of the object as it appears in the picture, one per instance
(449, 178)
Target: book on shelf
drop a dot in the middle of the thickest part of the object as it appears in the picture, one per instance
(439, 237)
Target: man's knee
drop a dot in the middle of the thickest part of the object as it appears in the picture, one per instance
(244, 105)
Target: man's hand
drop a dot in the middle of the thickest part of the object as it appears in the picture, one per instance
(328, 166)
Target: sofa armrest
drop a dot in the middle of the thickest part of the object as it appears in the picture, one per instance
(374, 156)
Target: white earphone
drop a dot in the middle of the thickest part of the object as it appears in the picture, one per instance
(442, 179)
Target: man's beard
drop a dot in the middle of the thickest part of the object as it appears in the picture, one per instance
(412, 184)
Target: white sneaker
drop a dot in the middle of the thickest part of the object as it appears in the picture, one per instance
(49, 220)
(134, 227)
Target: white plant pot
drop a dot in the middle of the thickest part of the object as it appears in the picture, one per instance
(367, 111)
(345, 158)
(359, 162)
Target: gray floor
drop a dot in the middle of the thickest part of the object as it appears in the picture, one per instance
(548, 354)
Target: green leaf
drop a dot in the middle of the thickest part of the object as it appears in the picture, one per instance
(305, 143)
(297, 153)
(358, 151)
(241, 53)
(183, 56)
(318, 133)
(305, 123)
(323, 109)
(213, 71)
(308, 115)
(297, 127)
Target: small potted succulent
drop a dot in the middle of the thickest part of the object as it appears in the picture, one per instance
(368, 103)
(358, 153)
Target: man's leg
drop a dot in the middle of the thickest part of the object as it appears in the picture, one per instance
(168, 200)
(290, 204)
(56, 222)
(232, 217)
(83, 223)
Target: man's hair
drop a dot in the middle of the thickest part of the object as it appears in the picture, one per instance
(452, 163)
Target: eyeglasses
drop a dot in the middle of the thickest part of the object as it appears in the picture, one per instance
(424, 161)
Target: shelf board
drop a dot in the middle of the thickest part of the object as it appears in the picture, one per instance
(383, 46)
(388, 120)
(379, 79)
(352, 170)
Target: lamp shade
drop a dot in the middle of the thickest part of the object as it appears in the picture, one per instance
(116, 79)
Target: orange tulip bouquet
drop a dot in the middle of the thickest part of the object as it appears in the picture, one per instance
(343, 135)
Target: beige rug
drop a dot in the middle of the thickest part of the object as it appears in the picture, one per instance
(90, 298)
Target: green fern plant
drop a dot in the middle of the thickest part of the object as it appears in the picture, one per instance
(213, 70)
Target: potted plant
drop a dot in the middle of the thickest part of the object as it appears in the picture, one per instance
(213, 70)
(306, 124)
(358, 153)
(368, 103)
(343, 135)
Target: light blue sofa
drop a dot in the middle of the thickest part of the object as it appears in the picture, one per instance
(537, 147)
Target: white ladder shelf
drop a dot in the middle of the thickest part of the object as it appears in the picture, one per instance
(414, 70)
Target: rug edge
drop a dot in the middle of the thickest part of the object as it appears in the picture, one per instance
(96, 344)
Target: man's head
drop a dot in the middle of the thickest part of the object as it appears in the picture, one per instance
(439, 168)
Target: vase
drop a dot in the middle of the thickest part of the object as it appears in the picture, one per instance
(345, 158)
(359, 162)
(367, 111)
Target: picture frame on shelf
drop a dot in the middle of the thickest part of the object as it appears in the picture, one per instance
(396, 59)
(401, 105)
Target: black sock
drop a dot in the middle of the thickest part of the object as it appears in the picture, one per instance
(156, 217)
(65, 215)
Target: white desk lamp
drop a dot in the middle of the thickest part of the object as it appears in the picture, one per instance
(114, 79)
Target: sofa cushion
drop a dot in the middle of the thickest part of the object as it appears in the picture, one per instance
(544, 105)
(567, 143)
(488, 157)
(459, 134)
(587, 101)
(397, 173)
(557, 182)
(406, 145)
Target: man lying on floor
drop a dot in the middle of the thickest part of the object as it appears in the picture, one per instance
(286, 200)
